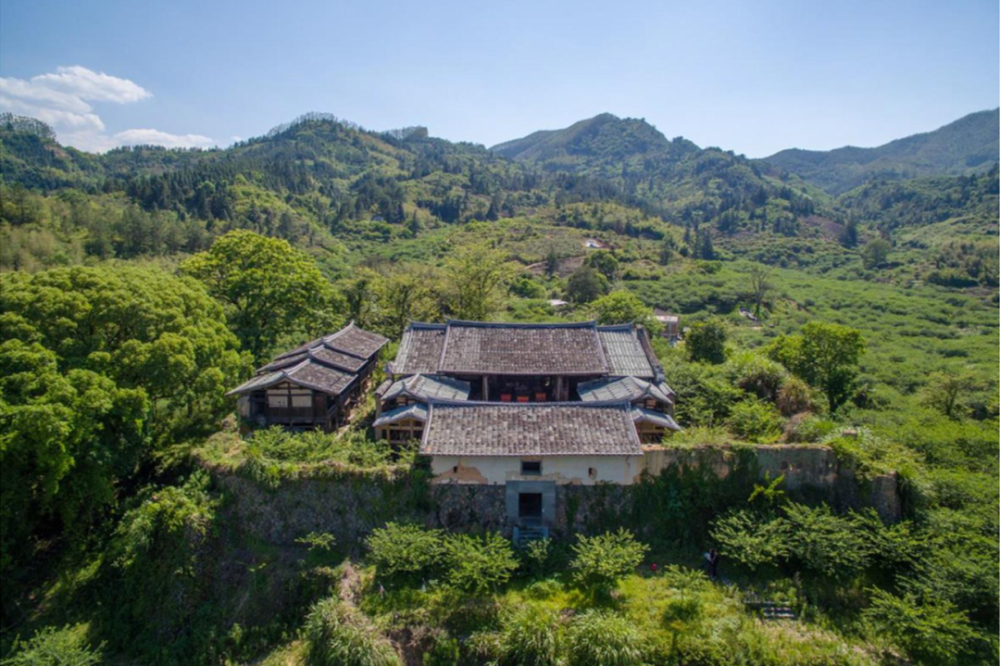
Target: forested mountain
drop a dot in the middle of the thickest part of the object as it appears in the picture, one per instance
(320, 177)
(967, 145)
(682, 182)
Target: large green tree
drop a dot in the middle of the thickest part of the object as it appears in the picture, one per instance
(98, 367)
(825, 355)
(270, 290)
(706, 341)
(624, 307)
(477, 277)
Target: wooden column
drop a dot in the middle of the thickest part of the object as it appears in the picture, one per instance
(486, 388)
(559, 389)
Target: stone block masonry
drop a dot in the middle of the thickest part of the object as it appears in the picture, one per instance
(350, 508)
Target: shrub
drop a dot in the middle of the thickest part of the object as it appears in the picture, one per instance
(337, 636)
(602, 560)
(826, 543)
(795, 397)
(755, 421)
(528, 638)
(706, 342)
(808, 428)
(601, 638)
(536, 556)
(936, 634)
(399, 550)
(446, 652)
(586, 285)
(751, 540)
(52, 647)
(478, 565)
(756, 374)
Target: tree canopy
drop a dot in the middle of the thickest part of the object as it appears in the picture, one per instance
(826, 356)
(98, 366)
(269, 289)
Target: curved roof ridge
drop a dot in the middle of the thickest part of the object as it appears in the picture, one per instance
(502, 324)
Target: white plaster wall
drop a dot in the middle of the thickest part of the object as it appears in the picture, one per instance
(497, 470)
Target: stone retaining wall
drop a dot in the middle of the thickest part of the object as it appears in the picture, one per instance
(349, 508)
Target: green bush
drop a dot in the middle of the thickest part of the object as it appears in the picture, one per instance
(52, 647)
(601, 638)
(446, 652)
(826, 543)
(600, 561)
(400, 550)
(536, 557)
(528, 638)
(706, 342)
(338, 636)
(751, 540)
(795, 397)
(935, 633)
(755, 421)
(756, 374)
(479, 565)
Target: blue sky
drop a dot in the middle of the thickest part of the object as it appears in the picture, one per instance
(754, 77)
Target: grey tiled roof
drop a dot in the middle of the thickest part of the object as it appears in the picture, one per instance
(523, 349)
(623, 388)
(624, 351)
(414, 411)
(420, 349)
(461, 347)
(529, 429)
(328, 364)
(355, 341)
(649, 416)
(349, 340)
(307, 374)
(427, 387)
(338, 359)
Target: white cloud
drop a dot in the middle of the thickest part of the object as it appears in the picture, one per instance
(63, 100)
(138, 137)
(86, 84)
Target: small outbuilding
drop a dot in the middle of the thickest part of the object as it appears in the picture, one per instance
(314, 385)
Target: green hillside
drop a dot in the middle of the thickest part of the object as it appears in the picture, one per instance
(138, 286)
(968, 145)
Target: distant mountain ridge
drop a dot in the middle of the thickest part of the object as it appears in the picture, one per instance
(968, 145)
(599, 141)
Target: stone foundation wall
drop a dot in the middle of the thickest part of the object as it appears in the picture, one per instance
(811, 473)
(349, 508)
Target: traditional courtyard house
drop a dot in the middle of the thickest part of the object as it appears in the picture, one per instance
(527, 406)
(314, 385)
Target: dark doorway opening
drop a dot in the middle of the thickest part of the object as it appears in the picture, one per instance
(529, 505)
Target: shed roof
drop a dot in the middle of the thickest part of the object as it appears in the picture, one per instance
(641, 415)
(624, 351)
(349, 340)
(414, 411)
(624, 388)
(426, 387)
(530, 429)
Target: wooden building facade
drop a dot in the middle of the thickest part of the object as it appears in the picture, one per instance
(314, 385)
